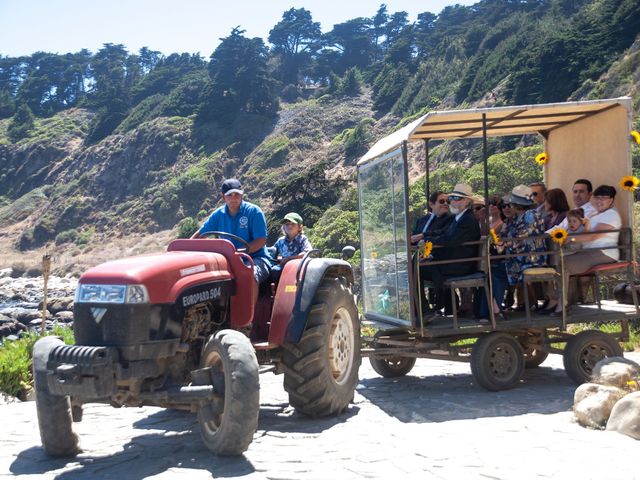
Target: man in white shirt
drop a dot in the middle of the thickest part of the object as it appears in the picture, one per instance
(581, 194)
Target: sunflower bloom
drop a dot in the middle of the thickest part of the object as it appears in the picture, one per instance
(494, 236)
(559, 235)
(542, 158)
(629, 183)
(636, 136)
(374, 254)
(426, 250)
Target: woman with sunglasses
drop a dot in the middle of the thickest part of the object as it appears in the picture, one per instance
(526, 222)
(606, 219)
(435, 222)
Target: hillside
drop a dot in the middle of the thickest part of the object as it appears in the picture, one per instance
(139, 158)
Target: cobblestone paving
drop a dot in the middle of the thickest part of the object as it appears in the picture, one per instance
(433, 423)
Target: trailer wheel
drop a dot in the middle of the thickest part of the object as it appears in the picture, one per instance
(54, 411)
(390, 366)
(533, 357)
(234, 374)
(497, 361)
(321, 371)
(584, 350)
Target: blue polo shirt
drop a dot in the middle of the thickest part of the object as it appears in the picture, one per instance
(249, 223)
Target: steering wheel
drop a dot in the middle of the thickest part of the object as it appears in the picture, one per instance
(218, 234)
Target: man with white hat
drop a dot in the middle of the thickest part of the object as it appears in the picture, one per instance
(463, 228)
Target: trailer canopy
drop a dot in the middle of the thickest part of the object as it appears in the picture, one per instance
(585, 139)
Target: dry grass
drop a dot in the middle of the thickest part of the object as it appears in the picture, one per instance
(74, 259)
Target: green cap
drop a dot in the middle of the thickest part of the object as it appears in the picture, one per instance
(293, 218)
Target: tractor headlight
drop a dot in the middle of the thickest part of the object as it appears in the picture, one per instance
(88, 293)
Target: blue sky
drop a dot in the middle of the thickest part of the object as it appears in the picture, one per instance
(62, 26)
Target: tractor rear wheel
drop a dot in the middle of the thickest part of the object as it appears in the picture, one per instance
(234, 374)
(54, 411)
(321, 371)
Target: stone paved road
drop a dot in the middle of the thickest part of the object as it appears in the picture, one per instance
(433, 423)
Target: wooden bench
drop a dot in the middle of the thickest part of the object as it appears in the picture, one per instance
(626, 264)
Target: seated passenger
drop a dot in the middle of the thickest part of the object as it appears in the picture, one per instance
(292, 244)
(577, 222)
(606, 218)
(436, 219)
(556, 206)
(435, 222)
(480, 212)
(581, 195)
(463, 228)
(527, 222)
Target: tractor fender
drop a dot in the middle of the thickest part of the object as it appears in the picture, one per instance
(312, 274)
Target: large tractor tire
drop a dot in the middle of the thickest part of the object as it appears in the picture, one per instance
(234, 374)
(390, 366)
(584, 350)
(321, 371)
(54, 411)
(497, 361)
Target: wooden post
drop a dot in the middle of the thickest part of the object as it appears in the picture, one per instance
(46, 267)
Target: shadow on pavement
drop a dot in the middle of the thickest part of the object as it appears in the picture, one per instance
(143, 456)
(176, 445)
(440, 398)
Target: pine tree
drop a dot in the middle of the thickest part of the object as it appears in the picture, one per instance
(21, 123)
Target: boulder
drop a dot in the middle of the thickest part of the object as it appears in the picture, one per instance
(625, 416)
(615, 371)
(595, 404)
(10, 328)
(64, 316)
(60, 304)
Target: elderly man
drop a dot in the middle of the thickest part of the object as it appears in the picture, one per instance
(463, 228)
(244, 220)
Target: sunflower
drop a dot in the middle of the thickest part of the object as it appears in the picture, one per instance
(629, 183)
(426, 250)
(636, 136)
(542, 158)
(494, 236)
(374, 254)
(559, 235)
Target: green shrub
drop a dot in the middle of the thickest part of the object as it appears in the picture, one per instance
(16, 378)
(187, 227)
(68, 236)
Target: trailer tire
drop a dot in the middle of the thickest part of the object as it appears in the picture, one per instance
(390, 366)
(497, 361)
(234, 373)
(54, 411)
(321, 371)
(584, 350)
(533, 357)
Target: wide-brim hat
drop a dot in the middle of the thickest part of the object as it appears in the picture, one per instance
(477, 199)
(462, 190)
(292, 217)
(520, 195)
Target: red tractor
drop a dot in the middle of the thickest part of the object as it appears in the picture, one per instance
(180, 330)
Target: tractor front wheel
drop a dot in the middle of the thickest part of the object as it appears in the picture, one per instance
(227, 426)
(321, 371)
(54, 411)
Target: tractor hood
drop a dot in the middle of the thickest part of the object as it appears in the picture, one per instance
(163, 275)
